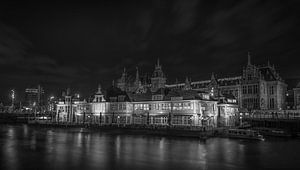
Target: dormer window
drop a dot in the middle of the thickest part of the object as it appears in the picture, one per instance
(121, 98)
(113, 99)
(157, 97)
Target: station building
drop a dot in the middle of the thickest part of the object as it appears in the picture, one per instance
(151, 104)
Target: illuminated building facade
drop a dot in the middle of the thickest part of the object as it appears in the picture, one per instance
(34, 97)
(164, 107)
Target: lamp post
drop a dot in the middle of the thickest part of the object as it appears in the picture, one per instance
(12, 97)
(51, 107)
(34, 104)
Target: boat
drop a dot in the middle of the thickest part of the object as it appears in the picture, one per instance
(274, 132)
(244, 134)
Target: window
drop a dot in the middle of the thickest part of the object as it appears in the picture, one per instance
(141, 107)
(157, 97)
(250, 89)
(249, 76)
(166, 106)
(272, 90)
(113, 106)
(187, 106)
(177, 106)
(272, 103)
(146, 106)
(255, 89)
(244, 89)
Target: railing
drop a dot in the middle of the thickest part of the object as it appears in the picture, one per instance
(290, 115)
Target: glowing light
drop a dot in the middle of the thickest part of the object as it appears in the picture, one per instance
(13, 94)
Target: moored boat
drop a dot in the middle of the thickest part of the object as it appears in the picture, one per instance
(244, 134)
(274, 132)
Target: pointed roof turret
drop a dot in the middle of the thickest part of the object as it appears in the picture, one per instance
(212, 76)
(124, 71)
(99, 89)
(68, 91)
(213, 79)
(187, 85)
(269, 65)
(113, 83)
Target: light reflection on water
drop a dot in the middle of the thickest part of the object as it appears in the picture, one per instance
(25, 147)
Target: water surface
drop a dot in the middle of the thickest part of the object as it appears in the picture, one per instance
(24, 147)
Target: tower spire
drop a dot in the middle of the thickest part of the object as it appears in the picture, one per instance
(137, 77)
(249, 58)
(187, 80)
(212, 76)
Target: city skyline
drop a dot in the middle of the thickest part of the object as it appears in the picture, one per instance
(79, 46)
(169, 84)
(157, 84)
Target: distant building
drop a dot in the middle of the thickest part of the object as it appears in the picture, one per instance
(297, 96)
(34, 96)
(71, 109)
(259, 87)
(262, 88)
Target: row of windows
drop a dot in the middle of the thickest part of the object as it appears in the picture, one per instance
(68, 108)
(233, 92)
(181, 120)
(119, 106)
(164, 106)
(250, 89)
(251, 103)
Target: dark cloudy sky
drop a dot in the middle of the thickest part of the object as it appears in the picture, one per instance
(79, 45)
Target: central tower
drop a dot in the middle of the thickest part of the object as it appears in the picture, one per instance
(158, 79)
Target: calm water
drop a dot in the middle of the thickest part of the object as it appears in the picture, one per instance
(24, 147)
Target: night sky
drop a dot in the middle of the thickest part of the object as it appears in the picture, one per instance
(81, 45)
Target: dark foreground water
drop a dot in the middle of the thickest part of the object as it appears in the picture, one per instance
(23, 147)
